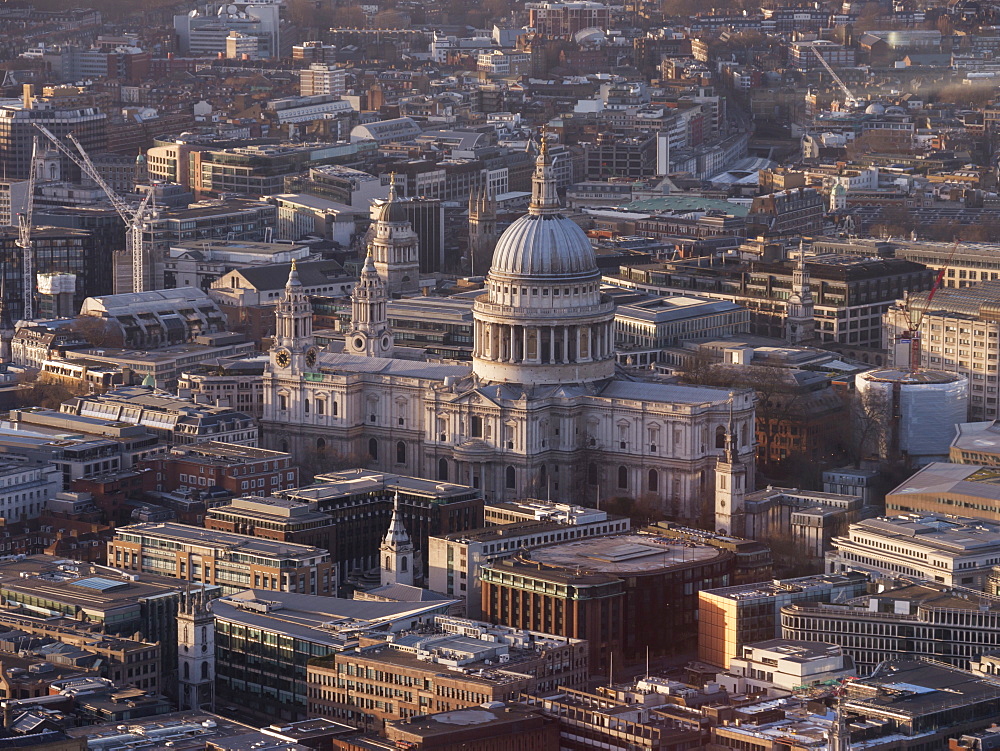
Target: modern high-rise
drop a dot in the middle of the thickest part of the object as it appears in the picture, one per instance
(17, 131)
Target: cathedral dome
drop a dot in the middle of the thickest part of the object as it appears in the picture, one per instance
(543, 245)
(389, 210)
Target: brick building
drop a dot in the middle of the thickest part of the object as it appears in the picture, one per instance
(240, 470)
(275, 519)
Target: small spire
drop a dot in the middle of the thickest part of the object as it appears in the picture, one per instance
(293, 275)
(392, 186)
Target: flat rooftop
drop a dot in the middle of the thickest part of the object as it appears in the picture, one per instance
(359, 482)
(978, 436)
(624, 554)
(187, 534)
(183, 730)
(914, 687)
(446, 723)
(334, 622)
(778, 587)
(945, 534)
(86, 586)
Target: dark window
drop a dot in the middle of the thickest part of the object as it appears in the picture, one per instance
(511, 478)
(592, 473)
(401, 453)
(320, 444)
(623, 478)
(654, 481)
(477, 427)
(443, 469)
(373, 448)
(720, 437)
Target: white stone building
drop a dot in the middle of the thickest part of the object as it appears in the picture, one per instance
(542, 410)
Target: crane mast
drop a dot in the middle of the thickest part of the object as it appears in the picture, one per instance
(24, 222)
(849, 97)
(134, 218)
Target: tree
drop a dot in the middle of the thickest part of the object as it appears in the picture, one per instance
(99, 332)
(869, 415)
(50, 393)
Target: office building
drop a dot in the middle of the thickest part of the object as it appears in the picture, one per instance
(198, 264)
(231, 561)
(624, 594)
(204, 30)
(17, 130)
(782, 665)
(172, 418)
(976, 443)
(850, 293)
(563, 19)
(265, 641)
(940, 622)
(452, 664)
(732, 617)
(238, 470)
(454, 561)
(955, 550)
(147, 320)
(958, 334)
(361, 502)
(276, 519)
(24, 490)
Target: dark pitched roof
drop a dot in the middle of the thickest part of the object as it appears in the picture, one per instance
(311, 274)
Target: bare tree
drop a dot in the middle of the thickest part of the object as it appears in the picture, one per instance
(100, 332)
(869, 425)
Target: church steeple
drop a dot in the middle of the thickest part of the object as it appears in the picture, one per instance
(195, 652)
(482, 226)
(799, 321)
(369, 334)
(397, 550)
(730, 484)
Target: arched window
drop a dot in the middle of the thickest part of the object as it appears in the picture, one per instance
(187, 671)
(623, 478)
(443, 469)
(592, 473)
(403, 564)
(720, 437)
(744, 441)
(388, 563)
(511, 477)
(204, 671)
(333, 408)
(320, 444)
(654, 481)
(306, 404)
(400, 453)
(373, 448)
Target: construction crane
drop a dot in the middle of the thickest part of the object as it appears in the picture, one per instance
(849, 98)
(134, 218)
(914, 332)
(24, 221)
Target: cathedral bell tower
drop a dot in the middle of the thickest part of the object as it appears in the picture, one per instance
(799, 321)
(369, 334)
(396, 551)
(293, 340)
(195, 652)
(730, 486)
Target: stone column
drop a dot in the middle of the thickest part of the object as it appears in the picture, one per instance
(565, 343)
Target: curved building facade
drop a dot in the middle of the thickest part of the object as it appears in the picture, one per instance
(623, 594)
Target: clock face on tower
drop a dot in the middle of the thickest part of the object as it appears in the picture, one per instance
(282, 358)
(311, 357)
